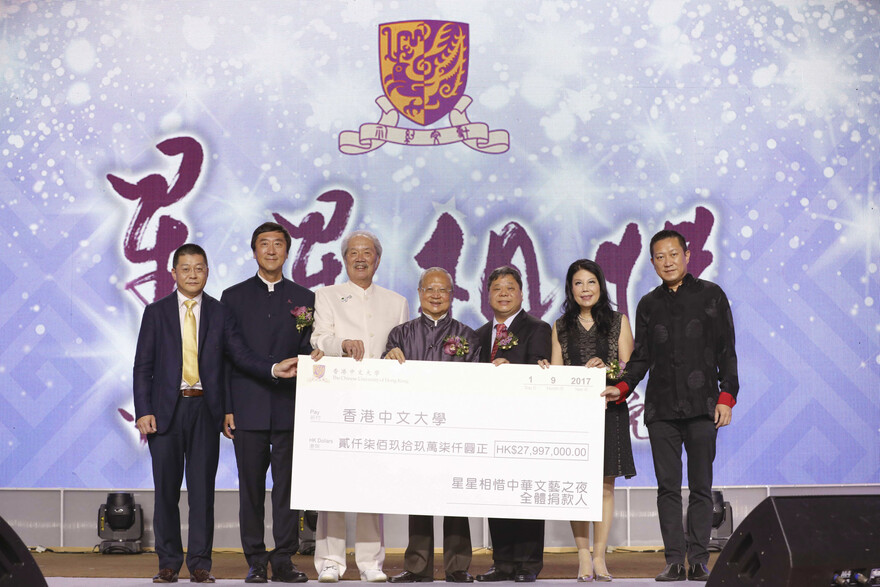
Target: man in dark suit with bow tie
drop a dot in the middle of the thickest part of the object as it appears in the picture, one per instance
(275, 316)
(179, 402)
(513, 336)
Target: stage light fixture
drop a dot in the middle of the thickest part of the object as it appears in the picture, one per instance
(120, 525)
(722, 523)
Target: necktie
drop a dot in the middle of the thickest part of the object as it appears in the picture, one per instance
(500, 332)
(190, 345)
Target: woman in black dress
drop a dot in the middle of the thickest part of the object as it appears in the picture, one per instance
(590, 333)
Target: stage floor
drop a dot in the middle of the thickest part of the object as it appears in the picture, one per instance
(91, 582)
(80, 569)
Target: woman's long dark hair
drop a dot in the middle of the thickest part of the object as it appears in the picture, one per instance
(602, 312)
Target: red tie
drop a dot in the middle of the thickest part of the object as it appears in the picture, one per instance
(500, 332)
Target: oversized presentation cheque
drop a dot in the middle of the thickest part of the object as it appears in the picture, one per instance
(444, 438)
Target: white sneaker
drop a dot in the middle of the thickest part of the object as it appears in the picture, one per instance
(329, 574)
(373, 576)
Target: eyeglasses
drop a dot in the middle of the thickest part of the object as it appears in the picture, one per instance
(187, 269)
(435, 291)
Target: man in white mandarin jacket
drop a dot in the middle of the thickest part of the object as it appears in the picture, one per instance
(353, 319)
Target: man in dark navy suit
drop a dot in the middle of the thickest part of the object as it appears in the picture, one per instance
(180, 405)
(259, 415)
(513, 336)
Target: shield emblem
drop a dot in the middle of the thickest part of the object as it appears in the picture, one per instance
(424, 66)
(318, 371)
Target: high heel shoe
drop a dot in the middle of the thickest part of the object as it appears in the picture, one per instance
(585, 561)
(588, 577)
(601, 577)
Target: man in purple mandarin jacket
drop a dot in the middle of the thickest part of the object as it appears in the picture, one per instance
(435, 336)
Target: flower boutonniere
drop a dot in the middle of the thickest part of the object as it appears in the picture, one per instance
(305, 317)
(508, 341)
(614, 370)
(455, 346)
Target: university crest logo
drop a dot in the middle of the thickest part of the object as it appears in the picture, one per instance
(423, 66)
(318, 371)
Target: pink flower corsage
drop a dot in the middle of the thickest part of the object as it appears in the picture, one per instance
(305, 317)
(455, 346)
(508, 341)
(614, 371)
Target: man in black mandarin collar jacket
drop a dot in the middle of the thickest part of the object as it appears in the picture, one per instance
(260, 413)
(685, 338)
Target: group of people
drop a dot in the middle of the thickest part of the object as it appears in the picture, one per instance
(204, 366)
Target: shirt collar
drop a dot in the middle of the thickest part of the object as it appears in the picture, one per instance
(182, 298)
(361, 291)
(507, 322)
(430, 320)
(686, 281)
(269, 284)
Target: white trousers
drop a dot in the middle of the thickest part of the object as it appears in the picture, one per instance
(369, 546)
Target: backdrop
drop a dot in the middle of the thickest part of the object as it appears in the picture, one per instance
(533, 133)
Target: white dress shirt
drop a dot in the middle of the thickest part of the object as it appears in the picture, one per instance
(348, 312)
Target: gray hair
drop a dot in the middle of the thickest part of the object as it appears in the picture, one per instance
(365, 233)
(432, 270)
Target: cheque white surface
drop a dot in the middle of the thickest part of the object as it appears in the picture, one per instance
(438, 438)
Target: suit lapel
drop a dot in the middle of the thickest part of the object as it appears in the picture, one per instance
(516, 354)
(204, 320)
(518, 322)
(175, 334)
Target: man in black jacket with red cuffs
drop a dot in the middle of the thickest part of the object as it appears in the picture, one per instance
(685, 337)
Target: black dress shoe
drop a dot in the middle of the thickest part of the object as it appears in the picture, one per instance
(257, 574)
(165, 576)
(673, 572)
(525, 577)
(409, 577)
(201, 576)
(287, 573)
(494, 574)
(459, 577)
(698, 572)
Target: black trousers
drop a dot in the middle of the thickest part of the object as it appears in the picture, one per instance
(255, 452)
(698, 436)
(457, 551)
(191, 447)
(517, 545)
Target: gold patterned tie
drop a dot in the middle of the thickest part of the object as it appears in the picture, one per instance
(190, 345)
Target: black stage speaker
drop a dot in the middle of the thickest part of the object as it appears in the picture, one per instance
(802, 541)
(17, 566)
